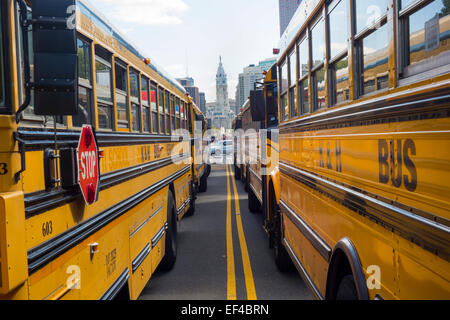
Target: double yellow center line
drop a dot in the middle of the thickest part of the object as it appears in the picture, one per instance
(231, 269)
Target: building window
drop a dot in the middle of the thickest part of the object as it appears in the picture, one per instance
(293, 84)
(145, 99)
(162, 121)
(85, 85)
(154, 107)
(103, 76)
(122, 96)
(303, 84)
(318, 67)
(135, 101)
(425, 36)
(338, 48)
(284, 112)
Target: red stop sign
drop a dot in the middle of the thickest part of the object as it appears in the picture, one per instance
(88, 170)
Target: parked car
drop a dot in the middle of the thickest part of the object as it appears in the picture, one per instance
(224, 147)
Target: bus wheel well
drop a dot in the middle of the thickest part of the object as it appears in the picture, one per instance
(339, 268)
(123, 294)
(345, 261)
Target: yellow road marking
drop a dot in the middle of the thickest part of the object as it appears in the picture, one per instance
(231, 277)
(249, 280)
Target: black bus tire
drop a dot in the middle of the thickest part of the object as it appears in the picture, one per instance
(253, 203)
(282, 259)
(191, 209)
(203, 183)
(170, 254)
(347, 289)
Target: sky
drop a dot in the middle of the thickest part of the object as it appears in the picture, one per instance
(194, 33)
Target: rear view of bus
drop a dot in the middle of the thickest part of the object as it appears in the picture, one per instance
(364, 91)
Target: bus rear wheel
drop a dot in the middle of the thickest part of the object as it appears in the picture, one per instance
(253, 202)
(170, 255)
(237, 173)
(191, 209)
(203, 183)
(282, 258)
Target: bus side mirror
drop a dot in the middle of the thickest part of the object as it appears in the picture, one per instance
(257, 105)
(55, 57)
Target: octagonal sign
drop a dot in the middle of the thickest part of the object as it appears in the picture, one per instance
(88, 165)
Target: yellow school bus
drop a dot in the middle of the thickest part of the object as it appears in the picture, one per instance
(364, 140)
(82, 71)
(256, 160)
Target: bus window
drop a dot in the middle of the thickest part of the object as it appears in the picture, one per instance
(375, 61)
(318, 68)
(2, 68)
(368, 13)
(167, 111)
(373, 46)
(154, 107)
(293, 84)
(146, 113)
(172, 112)
(337, 12)
(135, 102)
(283, 91)
(122, 96)
(177, 111)
(103, 76)
(426, 38)
(84, 115)
(162, 121)
(303, 51)
(340, 78)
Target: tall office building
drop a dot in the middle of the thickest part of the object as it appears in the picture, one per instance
(202, 105)
(287, 10)
(189, 84)
(247, 80)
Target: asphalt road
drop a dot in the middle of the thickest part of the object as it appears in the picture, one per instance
(223, 255)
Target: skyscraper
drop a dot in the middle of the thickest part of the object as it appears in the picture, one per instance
(287, 10)
(202, 105)
(189, 85)
(247, 80)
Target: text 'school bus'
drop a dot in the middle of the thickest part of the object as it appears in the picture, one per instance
(364, 142)
(59, 76)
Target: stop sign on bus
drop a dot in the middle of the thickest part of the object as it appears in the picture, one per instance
(88, 165)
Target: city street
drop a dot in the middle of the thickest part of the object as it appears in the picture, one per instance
(201, 268)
